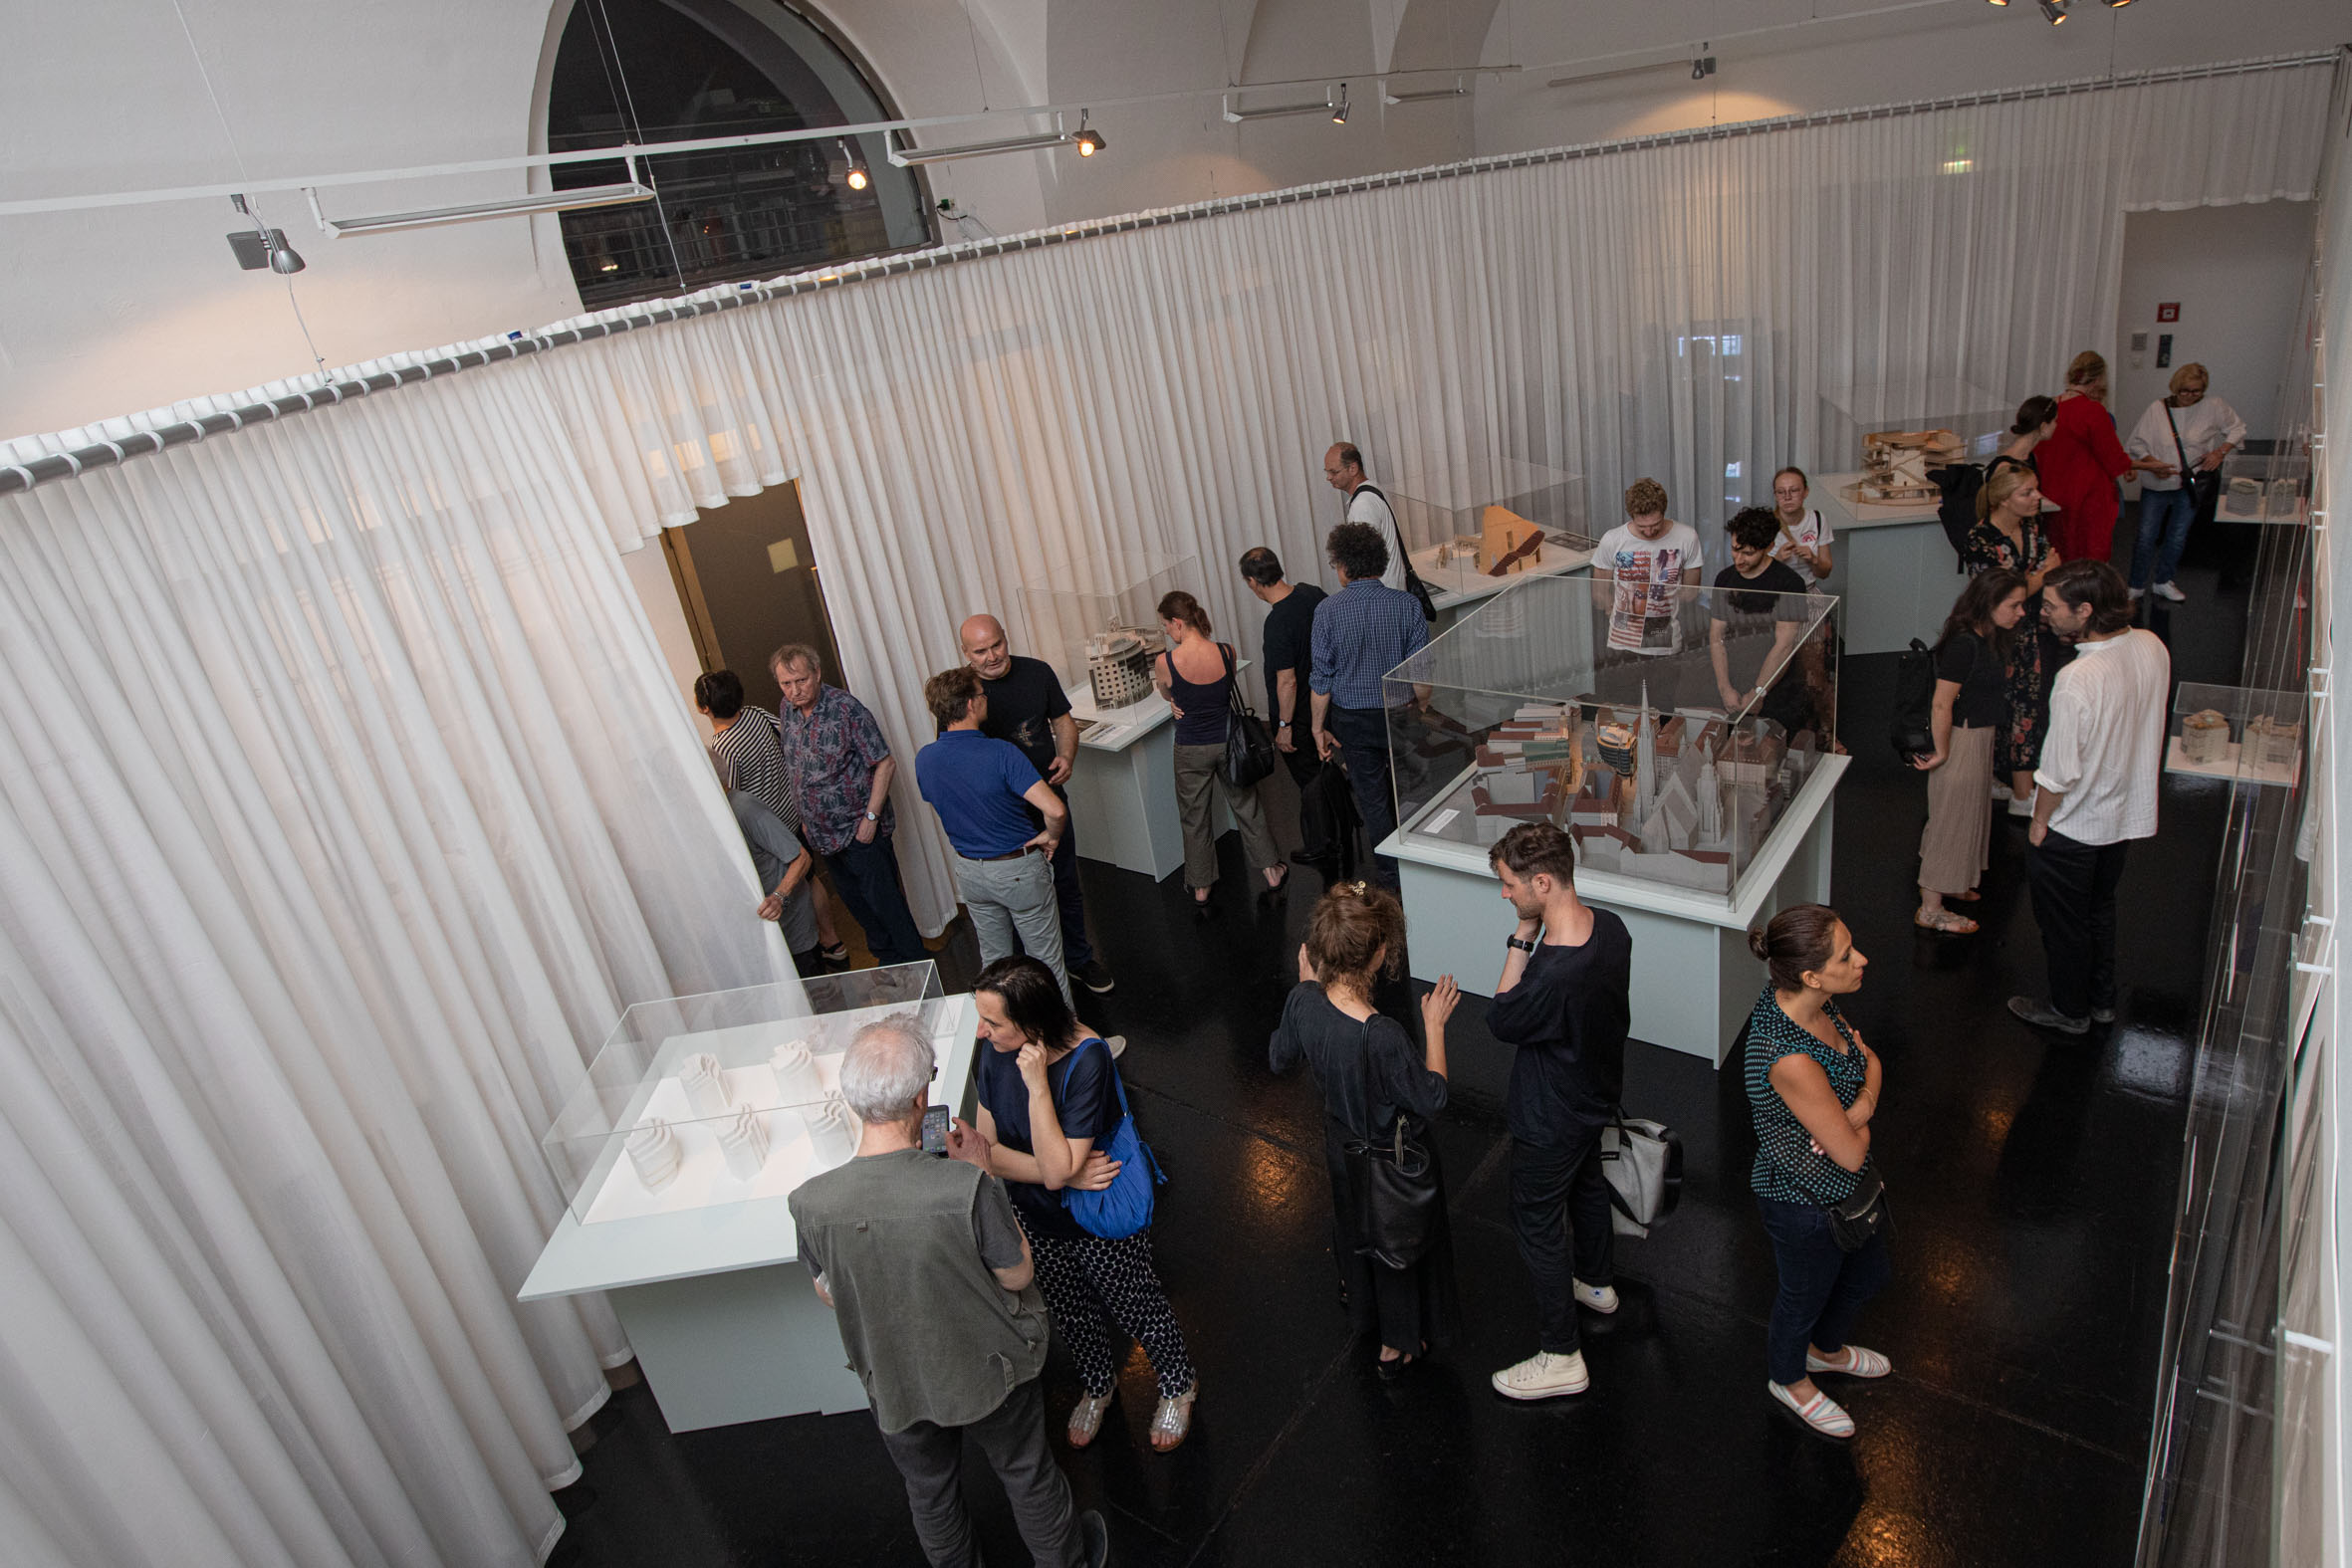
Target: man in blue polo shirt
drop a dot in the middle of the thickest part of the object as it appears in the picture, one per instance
(1359, 634)
(978, 785)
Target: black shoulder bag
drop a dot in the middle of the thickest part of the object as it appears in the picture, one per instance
(1249, 748)
(1413, 583)
(2204, 484)
(1398, 1197)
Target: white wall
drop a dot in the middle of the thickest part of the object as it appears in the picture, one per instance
(2237, 274)
(117, 310)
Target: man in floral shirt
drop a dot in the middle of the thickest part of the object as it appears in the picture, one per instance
(839, 767)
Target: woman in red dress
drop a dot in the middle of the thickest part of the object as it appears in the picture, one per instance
(2080, 461)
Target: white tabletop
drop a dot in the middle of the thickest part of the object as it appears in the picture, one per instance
(1828, 493)
(1117, 728)
(1555, 561)
(612, 1253)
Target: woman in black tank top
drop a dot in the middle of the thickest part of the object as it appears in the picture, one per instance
(1196, 676)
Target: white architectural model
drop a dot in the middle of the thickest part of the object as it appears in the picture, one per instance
(833, 1132)
(743, 1139)
(654, 1150)
(705, 1086)
(2205, 736)
(797, 1080)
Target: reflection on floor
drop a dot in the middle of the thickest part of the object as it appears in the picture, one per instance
(2032, 1181)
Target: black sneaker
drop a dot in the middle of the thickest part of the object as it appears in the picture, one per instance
(1094, 1539)
(1094, 975)
(2042, 1018)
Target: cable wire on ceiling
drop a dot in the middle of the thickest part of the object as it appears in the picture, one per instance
(16, 477)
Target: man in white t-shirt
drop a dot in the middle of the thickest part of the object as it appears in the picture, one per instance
(1344, 466)
(1806, 535)
(1637, 568)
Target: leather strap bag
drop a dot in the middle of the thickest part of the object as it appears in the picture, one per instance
(2204, 484)
(1862, 1214)
(1249, 746)
(1398, 1197)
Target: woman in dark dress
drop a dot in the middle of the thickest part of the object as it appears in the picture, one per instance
(2008, 535)
(1370, 1076)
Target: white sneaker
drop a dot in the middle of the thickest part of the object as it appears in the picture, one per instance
(2001, 791)
(2135, 594)
(2021, 807)
(1543, 1376)
(2169, 590)
(1117, 1044)
(1599, 1298)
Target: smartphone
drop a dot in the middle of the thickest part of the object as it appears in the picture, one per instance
(935, 1130)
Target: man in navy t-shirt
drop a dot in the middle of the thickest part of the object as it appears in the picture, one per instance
(1288, 644)
(983, 790)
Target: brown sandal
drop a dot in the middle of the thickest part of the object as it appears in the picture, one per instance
(1944, 920)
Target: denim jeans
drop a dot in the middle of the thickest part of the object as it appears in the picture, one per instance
(2164, 515)
(1822, 1288)
(1362, 733)
(1559, 1209)
(866, 877)
(1008, 897)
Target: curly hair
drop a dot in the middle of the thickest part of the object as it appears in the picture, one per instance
(1358, 551)
(1645, 496)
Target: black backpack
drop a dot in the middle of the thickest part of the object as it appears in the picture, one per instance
(1957, 511)
(1912, 732)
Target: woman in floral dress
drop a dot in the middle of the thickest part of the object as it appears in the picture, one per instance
(2009, 534)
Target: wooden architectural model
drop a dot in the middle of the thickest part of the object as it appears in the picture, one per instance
(1896, 464)
(1509, 543)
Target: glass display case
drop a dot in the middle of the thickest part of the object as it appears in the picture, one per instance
(1099, 623)
(1666, 727)
(1461, 545)
(2238, 733)
(731, 1095)
(1895, 443)
(2265, 487)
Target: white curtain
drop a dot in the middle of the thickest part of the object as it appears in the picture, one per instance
(346, 802)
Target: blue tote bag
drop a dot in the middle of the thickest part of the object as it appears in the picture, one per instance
(1124, 1207)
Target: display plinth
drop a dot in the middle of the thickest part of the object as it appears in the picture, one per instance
(1693, 978)
(1897, 573)
(1123, 788)
(716, 1305)
(2242, 734)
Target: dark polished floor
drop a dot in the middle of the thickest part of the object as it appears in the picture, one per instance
(2032, 1181)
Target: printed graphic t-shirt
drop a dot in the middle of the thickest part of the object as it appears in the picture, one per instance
(1642, 617)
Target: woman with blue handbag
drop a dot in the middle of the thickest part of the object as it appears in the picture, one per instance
(1059, 1136)
(1380, 1093)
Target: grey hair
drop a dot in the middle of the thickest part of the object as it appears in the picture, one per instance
(889, 1063)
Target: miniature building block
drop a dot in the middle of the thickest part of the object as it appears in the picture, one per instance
(1510, 543)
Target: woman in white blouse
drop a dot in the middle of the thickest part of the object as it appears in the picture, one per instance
(2189, 433)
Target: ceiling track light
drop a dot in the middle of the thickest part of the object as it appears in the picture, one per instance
(1427, 95)
(2056, 10)
(856, 179)
(1089, 142)
(1334, 103)
(260, 247)
(633, 190)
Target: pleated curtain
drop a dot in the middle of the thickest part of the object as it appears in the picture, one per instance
(348, 801)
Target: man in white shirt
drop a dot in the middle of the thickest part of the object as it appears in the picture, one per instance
(1640, 569)
(1343, 467)
(2102, 762)
(2186, 434)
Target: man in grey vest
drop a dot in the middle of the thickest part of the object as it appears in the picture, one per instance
(928, 1273)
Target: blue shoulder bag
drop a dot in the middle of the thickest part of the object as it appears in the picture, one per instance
(1124, 1207)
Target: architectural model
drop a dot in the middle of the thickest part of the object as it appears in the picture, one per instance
(2274, 742)
(2205, 736)
(1896, 464)
(833, 1131)
(1461, 548)
(654, 1150)
(705, 1086)
(1509, 543)
(1118, 665)
(2286, 500)
(2241, 500)
(743, 1139)
(796, 1078)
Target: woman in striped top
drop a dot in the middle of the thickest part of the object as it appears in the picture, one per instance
(1812, 1086)
(752, 745)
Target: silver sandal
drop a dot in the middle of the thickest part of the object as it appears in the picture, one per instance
(1173, 1419)
(1085, 1418)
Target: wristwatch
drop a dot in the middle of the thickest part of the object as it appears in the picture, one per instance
(871, 817)
(1524, 947)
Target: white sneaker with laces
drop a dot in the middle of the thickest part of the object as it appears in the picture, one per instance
(1598, 1298)
(2169, 590)
(1117, 1044)
(1543, 1376)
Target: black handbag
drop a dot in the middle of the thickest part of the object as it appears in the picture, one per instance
(1249, 745)
(1862, 1214)
(1398, 1197)
(2203, 484)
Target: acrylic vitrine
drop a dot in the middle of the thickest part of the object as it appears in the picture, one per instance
(1666, 728)
(727, 1096)
(1896, 431)
(2264, 487)
(1533, 522)
(2240, 733)
(1098, 622)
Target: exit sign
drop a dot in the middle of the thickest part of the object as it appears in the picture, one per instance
(2170, 312)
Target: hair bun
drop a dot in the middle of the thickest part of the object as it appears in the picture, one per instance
(1760, 943)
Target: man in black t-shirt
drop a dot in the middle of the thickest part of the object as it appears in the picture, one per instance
(1026, 705)
(1748, 674)
(1287, 643)
(1565, 1001)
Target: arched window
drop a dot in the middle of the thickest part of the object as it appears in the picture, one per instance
(650, 71)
